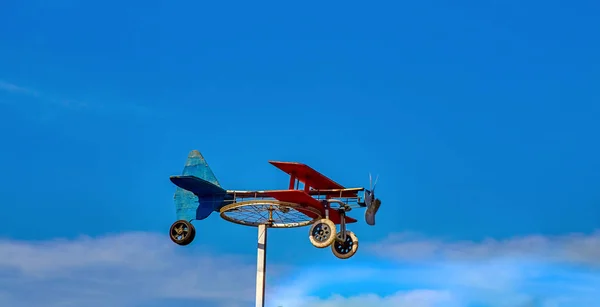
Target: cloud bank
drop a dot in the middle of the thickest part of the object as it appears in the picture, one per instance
(121, 270)
(579, 249)
(144, 269)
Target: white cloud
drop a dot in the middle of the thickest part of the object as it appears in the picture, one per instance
(143, 269)
(416, 298)
(121, 270)
(499, 283)
(547, 271)
(583, 249)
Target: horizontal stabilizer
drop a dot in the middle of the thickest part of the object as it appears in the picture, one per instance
(197, 185)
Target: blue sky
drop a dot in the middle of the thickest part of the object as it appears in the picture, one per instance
(481, 119)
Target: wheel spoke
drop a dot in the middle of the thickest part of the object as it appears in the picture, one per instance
(274, 213)
(181, 232)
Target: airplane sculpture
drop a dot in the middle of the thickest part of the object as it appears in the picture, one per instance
(321, 203)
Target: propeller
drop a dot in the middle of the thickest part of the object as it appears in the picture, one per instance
(370, 193)
(371, 202)
(374, 184)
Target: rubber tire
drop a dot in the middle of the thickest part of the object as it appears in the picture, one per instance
(337, 245)
(186, 240)
(330, 239)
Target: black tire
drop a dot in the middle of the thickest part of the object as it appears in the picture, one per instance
(182, 232)
(347, 248)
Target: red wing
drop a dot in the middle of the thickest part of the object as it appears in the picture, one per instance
(301, 198)
(307, 175)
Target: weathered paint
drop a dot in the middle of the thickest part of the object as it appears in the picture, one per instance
(292, 181)
(186, 204)
(197, 205)
(196, 166)
(307, 175)
(350, 193)
(302, 198)
(199, 193)
(197, 185)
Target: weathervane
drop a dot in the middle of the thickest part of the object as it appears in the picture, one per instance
(321, 203)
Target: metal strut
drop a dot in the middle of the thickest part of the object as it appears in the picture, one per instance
(341, 210)
(342, 224)
(326, 206)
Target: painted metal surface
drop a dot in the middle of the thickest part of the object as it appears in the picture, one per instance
(342, 193)
(307, 175)
(302, 198)
(199, 194)
(197, 185)
(186, 204)
(198, 191)
(261, 265)
(197, 166)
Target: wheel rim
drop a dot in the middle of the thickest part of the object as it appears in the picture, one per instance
(343, 247)
(275, 214)
(180, 231)
(321, 232)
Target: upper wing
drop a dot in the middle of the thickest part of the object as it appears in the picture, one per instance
(302, 198)
(307, 175)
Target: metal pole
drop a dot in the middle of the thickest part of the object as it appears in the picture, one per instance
(261, 265)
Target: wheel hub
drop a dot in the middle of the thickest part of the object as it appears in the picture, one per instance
(182, 232)
(322, 232)
(344, 247)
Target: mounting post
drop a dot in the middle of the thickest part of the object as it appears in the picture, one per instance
(261, 265)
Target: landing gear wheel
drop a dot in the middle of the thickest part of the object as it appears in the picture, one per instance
(182, 232)
(322, 233)
(345, 249)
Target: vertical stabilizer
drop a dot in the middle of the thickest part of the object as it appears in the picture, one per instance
(190, 206)
(197, 166)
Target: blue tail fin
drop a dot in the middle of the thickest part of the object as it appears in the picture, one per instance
(198, 192)
(197, 166)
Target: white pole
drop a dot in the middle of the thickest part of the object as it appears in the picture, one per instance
(261, 265)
